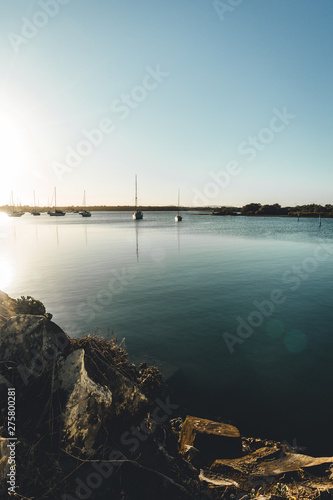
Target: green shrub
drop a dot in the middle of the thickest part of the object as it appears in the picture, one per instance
(29, 305)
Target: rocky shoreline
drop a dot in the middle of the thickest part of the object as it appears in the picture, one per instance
(91, 424)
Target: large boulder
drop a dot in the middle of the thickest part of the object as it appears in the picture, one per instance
(31, 343)
(86, 403)
(107, 364)
(213, 439)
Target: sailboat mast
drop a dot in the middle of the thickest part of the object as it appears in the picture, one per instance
(55, 197)
(178, 201)
(136, 192)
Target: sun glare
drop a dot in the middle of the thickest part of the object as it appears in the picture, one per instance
(13, 156)
(4, 219)
(5, 275)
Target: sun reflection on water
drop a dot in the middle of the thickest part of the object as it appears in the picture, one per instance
(5, 274)
(4, 219)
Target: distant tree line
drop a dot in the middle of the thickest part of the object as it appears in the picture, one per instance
(252, 209)
(256, 209)
(103, 208)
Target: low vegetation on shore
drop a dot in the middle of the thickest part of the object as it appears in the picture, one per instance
(275, 210)
(251, 209)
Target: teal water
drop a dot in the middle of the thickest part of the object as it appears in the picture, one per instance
(178, 294)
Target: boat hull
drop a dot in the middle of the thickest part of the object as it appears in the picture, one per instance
(137, 215)
(16, 214)
(178, 218)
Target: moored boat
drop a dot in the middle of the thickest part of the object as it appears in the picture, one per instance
(56, 212)
(137, 214)
(84, 212)
(34, 211)
(178, 217)
(13, 212)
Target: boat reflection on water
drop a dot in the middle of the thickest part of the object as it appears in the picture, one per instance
(137, 242)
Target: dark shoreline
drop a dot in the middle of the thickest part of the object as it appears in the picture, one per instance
(207, 211)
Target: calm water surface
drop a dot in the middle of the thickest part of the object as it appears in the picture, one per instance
(196, 298)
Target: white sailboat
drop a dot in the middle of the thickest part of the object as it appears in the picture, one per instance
(85, 213)
(137, 214)
(178, 217)
(56, 213)
(13, 212)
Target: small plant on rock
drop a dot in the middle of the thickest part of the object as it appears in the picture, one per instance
(29, 305)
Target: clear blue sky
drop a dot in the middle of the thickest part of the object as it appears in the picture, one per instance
(182, 90)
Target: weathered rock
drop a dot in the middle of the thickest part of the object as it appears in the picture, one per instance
(86, 403)
(269, 462)
(266, 467)
(291, 462)
(128, 400)
(239, 472)
(213, 439)
(192, 455)
(108, 365)
(31, 343)
(248, 463)
(20, 335)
